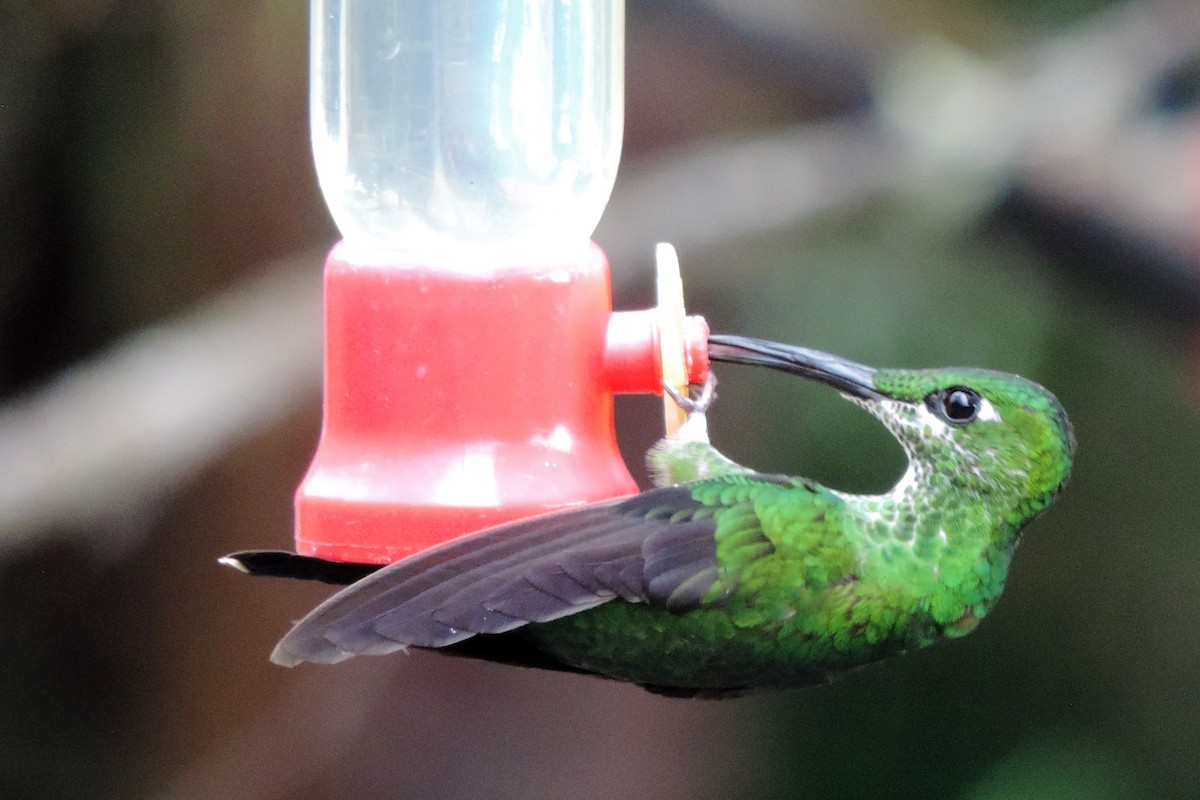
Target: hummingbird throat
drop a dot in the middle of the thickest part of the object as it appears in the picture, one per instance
(935, 527)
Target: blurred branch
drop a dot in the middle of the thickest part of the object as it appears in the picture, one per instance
(118, 431)
(1072, 117)
(712, 193)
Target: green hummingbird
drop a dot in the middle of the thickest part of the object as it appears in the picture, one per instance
(724, 580)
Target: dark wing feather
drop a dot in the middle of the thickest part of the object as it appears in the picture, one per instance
(656, 547)
(278, 564)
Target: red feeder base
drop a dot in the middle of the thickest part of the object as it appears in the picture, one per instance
(454, 402)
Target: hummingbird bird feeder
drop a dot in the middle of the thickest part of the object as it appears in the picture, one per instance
(466, 151)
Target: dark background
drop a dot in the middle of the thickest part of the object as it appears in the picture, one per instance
(1002, 184)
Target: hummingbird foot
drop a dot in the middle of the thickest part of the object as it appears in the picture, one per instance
(696, 403)
(703, 400)
(695, 427)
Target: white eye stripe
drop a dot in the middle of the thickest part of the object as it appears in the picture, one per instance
(987, 412)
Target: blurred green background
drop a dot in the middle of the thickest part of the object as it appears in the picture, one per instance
(1009, 185)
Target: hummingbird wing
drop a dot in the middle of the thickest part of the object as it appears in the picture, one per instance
(658, 547)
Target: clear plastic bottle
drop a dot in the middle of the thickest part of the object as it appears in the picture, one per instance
(447, 130)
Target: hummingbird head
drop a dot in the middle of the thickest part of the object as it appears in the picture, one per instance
(987, 434)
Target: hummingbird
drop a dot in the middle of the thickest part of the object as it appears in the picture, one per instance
(723, 580)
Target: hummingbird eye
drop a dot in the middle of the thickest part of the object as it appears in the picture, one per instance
(958, 404)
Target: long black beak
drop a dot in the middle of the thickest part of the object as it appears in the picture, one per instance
(856, 380)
